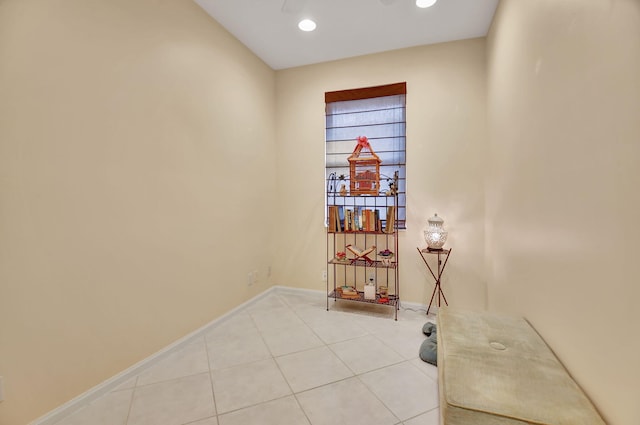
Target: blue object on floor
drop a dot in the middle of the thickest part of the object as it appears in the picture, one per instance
(429, 347)
(428, 328)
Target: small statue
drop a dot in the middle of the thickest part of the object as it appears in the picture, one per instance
(393, 188)
(343, 190)
(393, 185)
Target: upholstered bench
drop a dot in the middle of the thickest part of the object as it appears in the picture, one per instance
(496, 370)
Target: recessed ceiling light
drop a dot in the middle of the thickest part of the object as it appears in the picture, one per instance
(425, 3)
(307, 25)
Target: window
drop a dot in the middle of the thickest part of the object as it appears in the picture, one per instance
(378, 113)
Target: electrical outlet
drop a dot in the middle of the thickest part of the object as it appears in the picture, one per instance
(1, 389)
(250, 279)
(255, 277)
(324, 275)
(268, 271)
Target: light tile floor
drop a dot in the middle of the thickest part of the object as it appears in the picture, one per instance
(285, 360)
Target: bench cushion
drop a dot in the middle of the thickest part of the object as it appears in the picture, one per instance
(496, 370)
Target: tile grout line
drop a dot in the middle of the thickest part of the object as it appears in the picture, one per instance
(358, 376)
(293, 393)
(273, 358)
(133, 393)
(328, 347)
(420, 414)
(249, 407)
(68, 408)
(213, 392)
(165, 381)
(355, 375)
(371, 370)
(378, 398)
(289, 306)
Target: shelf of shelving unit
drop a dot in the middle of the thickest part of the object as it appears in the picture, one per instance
(355, 272)
(363, 263)
(393, 300)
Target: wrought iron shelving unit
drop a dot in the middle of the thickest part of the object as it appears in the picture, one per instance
(356, 271)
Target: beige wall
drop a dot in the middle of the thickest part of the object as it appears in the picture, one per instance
(137, 172)
(142, 148)
(446, 142)
(563, 200)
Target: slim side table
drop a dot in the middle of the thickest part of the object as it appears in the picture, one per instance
(438, 288)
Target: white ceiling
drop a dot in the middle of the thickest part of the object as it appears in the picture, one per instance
(346, 28)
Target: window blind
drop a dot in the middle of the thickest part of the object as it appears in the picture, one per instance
(379, 113)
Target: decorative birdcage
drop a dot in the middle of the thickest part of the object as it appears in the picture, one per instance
(364, 168)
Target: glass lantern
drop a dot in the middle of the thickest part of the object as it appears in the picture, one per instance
(435, 235)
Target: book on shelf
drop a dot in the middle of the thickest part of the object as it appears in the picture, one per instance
(356, 223)
(391, 219)
(350, 220)
(363, 221)
(332, 218)
(360, 220)
(372, 220)
(360, 252)
(348, 292)
(336, 218)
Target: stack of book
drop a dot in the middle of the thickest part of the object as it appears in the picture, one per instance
(349, 292)
(360, 219)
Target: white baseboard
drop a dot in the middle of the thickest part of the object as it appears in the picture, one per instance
(405, 305)
(114, 382)
(292, 290)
